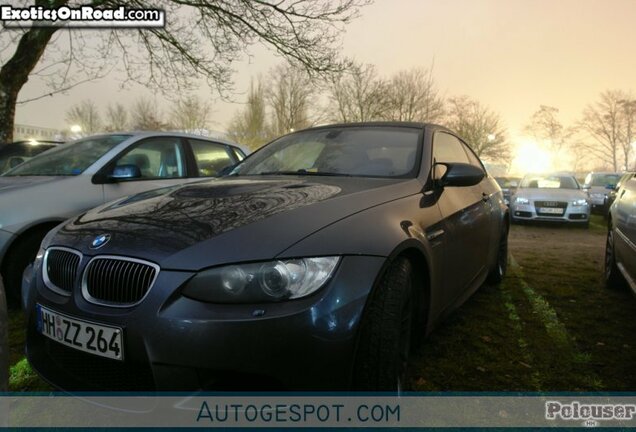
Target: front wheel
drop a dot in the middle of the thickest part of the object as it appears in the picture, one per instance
(385, 333)
(613, 277)
(498, 272)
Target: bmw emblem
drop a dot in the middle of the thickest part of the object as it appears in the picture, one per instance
(100, 241)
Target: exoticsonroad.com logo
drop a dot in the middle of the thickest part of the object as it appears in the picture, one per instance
(80, 16)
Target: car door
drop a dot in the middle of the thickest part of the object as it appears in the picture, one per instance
(625, 223)
(161, 162)
(466, 215)
(211, 157)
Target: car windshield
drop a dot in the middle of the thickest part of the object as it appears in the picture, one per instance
(550, 182)
(347, 151)
(604, 180)
(506, 182)
(68, 159)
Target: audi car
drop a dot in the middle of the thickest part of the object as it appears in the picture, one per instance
(550, 198)
(317, 263)
(74, 177)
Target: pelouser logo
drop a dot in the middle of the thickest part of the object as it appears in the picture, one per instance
(588, 412)
(81, 16)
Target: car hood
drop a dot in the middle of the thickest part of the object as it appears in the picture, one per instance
(220, 221)
(599, 190)
(13, 183)
(551, 194)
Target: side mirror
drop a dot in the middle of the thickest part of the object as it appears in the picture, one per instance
(459, 174)
(585, 187)
(124, 172)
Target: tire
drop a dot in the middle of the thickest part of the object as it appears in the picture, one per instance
(498, 272)
(613, 277)
(386, 330)
(21, 254)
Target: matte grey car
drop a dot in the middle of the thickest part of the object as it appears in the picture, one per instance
(318, 263)
(74, 177)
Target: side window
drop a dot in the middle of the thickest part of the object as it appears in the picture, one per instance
(448, 149)
(238, 154)
(472, 157)
(210, 157)
(157, 158)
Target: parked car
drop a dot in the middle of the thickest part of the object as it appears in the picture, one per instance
(551, 198)
(72, 178)
(599, 185)
(611, 196)
(508, 186)
(620, 249)
(13, 154)
(317, 263)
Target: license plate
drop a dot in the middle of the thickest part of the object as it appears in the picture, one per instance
(551, 210)
(98, 339)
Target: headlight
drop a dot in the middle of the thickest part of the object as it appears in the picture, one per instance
(520, 200)
(268, 281)
(579, 202)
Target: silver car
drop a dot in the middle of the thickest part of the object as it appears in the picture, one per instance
(599, 186)
(74, 177)
(620, 250)
(552, 198)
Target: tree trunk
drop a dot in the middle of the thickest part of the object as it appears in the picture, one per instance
(15, 73)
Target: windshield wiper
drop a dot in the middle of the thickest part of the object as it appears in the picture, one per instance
(302, 172)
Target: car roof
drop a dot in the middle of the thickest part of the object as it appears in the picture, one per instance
(416, 125)
(144, 134)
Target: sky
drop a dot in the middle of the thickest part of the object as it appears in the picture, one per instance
(511, 55)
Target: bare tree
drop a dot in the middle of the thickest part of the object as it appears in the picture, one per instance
(358, 95)
(545, 126)
(200, 38)
(190, 114)
(289, 97)
(628, 129)
(603, 123)
(480, 127)
(412, 96)
(86, 116)
(116, 118)
(145, 115)
(249, 125)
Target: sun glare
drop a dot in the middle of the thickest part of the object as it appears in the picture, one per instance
(530, 157)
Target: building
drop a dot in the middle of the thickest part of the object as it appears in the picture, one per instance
(25, 132)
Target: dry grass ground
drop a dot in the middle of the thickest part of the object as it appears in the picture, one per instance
(550, 326)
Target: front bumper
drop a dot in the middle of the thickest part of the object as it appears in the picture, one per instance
(571, 214)
(174, 343)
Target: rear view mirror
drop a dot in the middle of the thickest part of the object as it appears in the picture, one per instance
(123, 172)
(460, 174)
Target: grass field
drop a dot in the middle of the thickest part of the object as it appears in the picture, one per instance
(550, 326)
